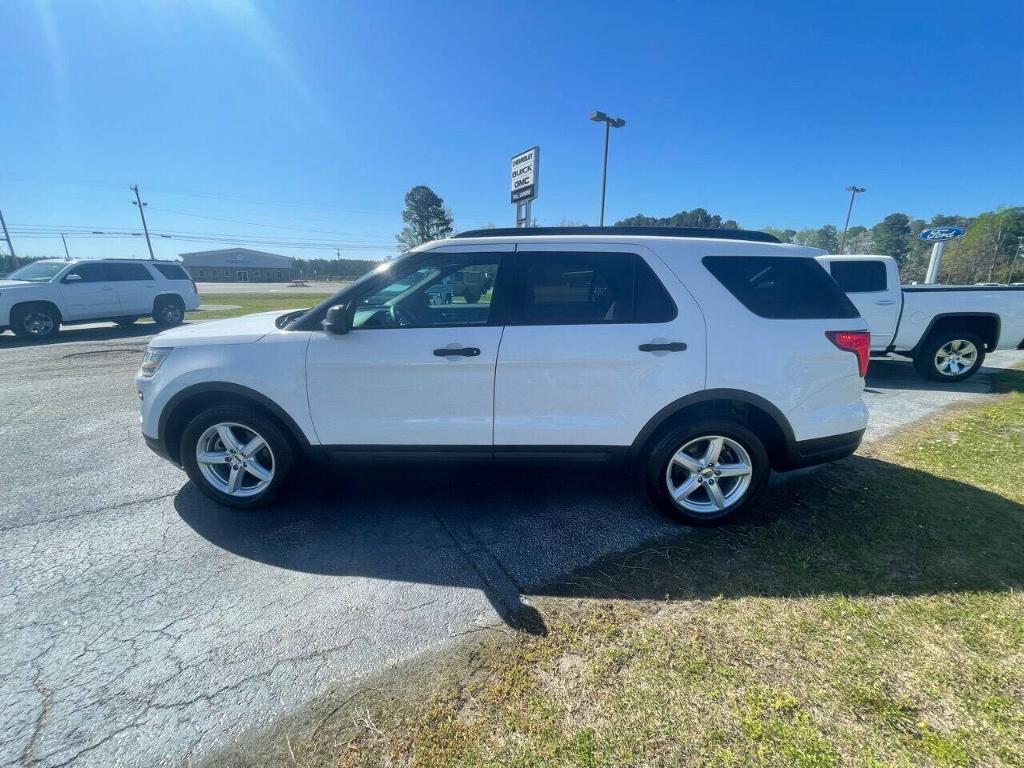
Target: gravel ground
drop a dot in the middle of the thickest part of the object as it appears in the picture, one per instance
(142, 625)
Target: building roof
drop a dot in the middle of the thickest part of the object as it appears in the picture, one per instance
(236, 257)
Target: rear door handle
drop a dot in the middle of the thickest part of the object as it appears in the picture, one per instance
(457, 352)
(670, 346)
(886, 302)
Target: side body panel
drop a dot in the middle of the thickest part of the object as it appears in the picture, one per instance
(790, 363)
(921, 304)
(590, 384)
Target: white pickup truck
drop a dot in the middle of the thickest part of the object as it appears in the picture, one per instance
(945, 329)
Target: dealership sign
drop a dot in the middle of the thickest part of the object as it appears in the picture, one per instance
(938, 234)
(525, 175)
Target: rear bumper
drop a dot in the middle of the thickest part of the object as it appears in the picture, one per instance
(807, 453)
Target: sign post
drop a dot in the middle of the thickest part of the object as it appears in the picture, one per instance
(525, 180)
(939, 236)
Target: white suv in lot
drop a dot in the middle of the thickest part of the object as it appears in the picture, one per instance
(38, 298)
(709, 357)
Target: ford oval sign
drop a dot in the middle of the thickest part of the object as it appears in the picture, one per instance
(941, 233)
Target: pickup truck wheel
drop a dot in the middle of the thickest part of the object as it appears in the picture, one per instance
(236, 456)
(707, 472)
(35, 321)
(168, 312)
(950, 356)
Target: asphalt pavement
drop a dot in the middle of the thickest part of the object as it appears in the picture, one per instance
(144, 625)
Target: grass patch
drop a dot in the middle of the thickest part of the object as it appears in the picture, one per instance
(870, 614)
(250, 303)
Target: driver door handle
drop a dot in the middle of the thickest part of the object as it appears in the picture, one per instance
(886, 302)
(671, 346)
(457, 352)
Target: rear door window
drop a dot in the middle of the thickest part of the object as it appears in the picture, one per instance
(125, 272)
(782, 287)
(859, 276)
(566, 288)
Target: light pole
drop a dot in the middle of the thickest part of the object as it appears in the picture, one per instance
(67, 254)
(853, 190)
(609, 123)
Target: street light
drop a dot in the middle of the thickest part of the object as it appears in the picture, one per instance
(609, 123)
(853, 190)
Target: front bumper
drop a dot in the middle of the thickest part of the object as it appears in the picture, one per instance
(157, 447)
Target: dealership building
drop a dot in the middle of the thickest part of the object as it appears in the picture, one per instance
(238, 265)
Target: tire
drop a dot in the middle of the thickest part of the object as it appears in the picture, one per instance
(204, 434)
(124, 322)
(168, 311)
(739, 447)
(943, 355)
(35, 321)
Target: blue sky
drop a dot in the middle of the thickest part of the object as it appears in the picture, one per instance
(310, 120)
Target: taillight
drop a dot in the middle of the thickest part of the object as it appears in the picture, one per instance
(858, 342)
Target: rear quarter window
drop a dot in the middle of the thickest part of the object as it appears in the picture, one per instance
(782, 287)
(171, 271)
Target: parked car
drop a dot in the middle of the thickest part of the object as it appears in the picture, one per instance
(707, 357)
(945, 329)
(40, 297)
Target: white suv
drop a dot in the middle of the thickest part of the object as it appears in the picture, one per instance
(39, 297)
(708, 356)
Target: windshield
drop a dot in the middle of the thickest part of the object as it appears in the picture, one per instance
(38, 271)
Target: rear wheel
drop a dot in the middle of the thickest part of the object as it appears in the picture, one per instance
(707, 472)
(35, 321)
(168, 311)
(236, 456)
(950, 356)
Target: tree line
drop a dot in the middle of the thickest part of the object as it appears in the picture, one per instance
(986, 253)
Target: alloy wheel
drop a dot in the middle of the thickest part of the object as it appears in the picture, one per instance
(235, 459)
(709, 474)
(172, 313)
(956, 357)
(38, 323)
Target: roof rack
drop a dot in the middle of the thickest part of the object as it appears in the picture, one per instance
(717, 234)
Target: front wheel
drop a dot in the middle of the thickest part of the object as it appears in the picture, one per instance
(35, 321)
(707, 472)
(236, 456)
(950, 356)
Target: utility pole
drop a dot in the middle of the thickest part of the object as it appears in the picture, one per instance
(853, 190)
(68, 255)
(138, 202)
(7, 236)
(1017, 255)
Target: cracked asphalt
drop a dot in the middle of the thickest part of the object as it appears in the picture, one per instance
(143, 625)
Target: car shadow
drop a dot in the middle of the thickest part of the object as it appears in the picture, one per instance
(843, 529)
(90, 333)
(901, 374)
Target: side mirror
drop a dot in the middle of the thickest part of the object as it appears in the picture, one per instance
(72, 278)
(339, 319)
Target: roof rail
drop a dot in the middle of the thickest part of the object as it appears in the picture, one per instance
(718, 234)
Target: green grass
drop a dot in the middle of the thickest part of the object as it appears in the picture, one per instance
(250, 303)
(869, 615)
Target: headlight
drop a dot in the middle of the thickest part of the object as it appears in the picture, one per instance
(152, 361)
